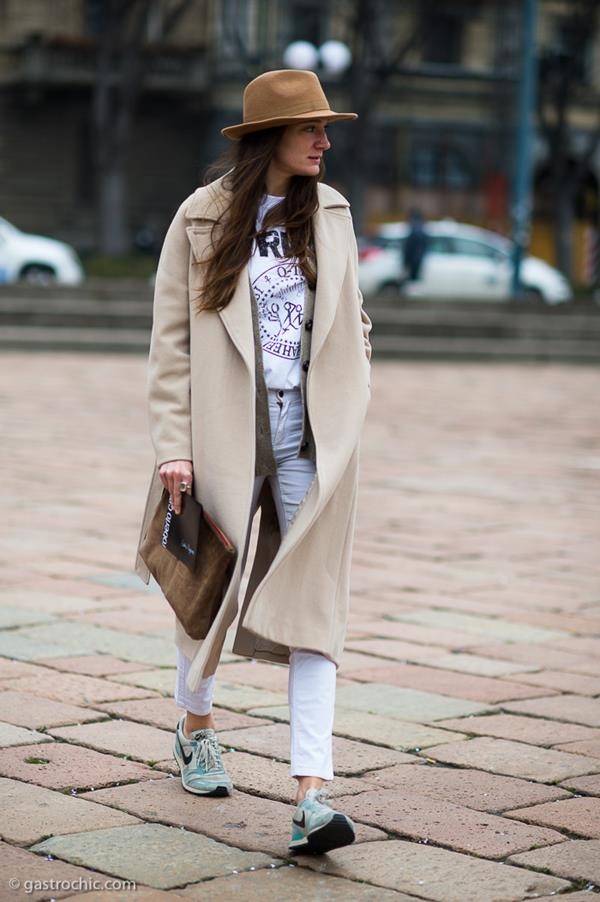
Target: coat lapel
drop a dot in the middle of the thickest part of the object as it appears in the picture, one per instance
(209, 203)
(237, 319)
(331, 245)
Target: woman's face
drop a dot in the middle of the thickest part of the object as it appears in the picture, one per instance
(301, 148)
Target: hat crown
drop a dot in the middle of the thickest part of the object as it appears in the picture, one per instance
(282, 93)
(282, 97)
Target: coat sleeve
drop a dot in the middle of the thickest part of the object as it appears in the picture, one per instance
(169, 360)
(365, 321)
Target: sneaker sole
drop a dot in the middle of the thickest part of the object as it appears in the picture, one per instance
(222, 790)
(338, 832)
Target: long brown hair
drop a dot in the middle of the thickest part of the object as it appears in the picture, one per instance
(245, 167)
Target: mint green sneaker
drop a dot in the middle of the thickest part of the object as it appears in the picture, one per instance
(200, 762)
(317, 828)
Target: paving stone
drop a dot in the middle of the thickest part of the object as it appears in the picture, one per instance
(11, 616)
(481, 626)
(349, 757)
(164, 713)
(60, 765)
(476, 664)
(534, 730)
(162, 680)
(78, 689)
(30, 870)
(395, 649)
(543, 655)
(25, 709)
(568, 619)
(583, 896)
(413, 632)
(112, 895)
(581, 816)
(11, 735)
(232, 720)
(265, 777)
(245, 821)
(259, 674)
(121, 737)
(92, 665)
(73, 638)
(577, 683)
(577, 859)
(406, 704)
(171, 857)
(24, 648)
(126, 618)
(65, 585)
(125, 580)
(433, 873)
(471, 788)
(242, 698)
(375, 728)
(288, 884)
(584, 645)
(354, 660)
(589, 747)
(572, 708)
(30, 813)
(11, 669)
(456, 685)
(57, 565)
(167, 766)
(420, 817)
(514, 759)
(589, 785)
(56, 602)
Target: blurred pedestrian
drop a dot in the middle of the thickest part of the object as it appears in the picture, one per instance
(257, 322)
(415, 245)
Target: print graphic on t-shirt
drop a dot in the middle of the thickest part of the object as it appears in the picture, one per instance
(278, 286)
(274, 243)
(279, 292)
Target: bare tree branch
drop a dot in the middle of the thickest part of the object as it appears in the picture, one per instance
(401, 52)
(172, 18)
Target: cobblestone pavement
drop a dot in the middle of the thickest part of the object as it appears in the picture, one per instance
(468, 721)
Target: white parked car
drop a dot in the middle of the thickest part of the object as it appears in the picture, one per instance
(35, 259)
(461, 261)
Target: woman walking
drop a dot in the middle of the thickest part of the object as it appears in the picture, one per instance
(258, 388)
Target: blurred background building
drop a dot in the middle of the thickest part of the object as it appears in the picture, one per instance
(111, 109)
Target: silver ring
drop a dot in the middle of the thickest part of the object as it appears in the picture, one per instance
(183, 487)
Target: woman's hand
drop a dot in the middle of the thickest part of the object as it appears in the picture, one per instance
(172, 474)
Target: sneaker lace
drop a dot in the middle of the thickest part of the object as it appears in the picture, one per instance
(208, 754)
(322, 796)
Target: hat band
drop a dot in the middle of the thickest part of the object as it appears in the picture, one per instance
(291, 109)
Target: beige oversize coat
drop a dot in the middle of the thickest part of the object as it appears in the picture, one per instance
(201, 382)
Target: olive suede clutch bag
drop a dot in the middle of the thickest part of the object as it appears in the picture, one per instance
(191, 559)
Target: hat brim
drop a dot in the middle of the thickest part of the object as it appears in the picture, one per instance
(235, 132)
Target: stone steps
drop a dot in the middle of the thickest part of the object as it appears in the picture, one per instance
(116, 315)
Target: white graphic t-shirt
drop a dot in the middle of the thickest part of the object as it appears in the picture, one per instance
(278, 284)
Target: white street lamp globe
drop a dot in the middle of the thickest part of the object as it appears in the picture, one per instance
(301, 55)
(335, 56)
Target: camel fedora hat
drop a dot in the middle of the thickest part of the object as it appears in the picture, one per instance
(280, 98)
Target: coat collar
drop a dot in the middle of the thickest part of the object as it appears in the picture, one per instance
(331, 246)
(211, 201)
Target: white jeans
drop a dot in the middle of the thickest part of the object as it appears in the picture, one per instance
(311, 683)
